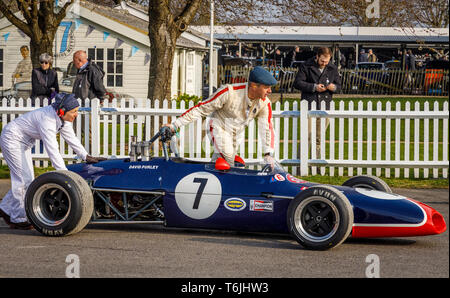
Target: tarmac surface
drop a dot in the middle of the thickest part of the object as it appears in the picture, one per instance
(140, 250)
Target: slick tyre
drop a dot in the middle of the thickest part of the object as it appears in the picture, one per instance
(59, 203)
(369, 182)
(320, 217)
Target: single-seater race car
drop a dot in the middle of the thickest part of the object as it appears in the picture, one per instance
(178, 192)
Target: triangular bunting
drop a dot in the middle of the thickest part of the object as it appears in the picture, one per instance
(147, 58)
(77, 23)
(6, 36)
(119, 42)
(105, 35)
(134, 49)
(90, 29)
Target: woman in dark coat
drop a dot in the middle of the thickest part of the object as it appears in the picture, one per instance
(44, 80)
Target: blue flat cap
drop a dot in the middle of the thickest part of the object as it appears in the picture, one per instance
(65, 101)
(262, 76)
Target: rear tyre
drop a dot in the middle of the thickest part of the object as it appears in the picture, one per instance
(59, 203)
(368, 182)
(320, 217)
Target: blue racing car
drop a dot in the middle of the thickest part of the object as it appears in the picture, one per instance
(178, 192)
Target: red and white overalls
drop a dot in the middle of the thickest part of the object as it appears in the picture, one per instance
(230, 111)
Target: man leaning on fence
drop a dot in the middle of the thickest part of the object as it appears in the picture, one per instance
(318, 80)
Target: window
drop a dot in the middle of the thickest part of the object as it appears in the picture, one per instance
(111, 61)
(1, 67)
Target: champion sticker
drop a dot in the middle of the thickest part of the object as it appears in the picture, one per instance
(279, 177)
(235, 204)
(264, 206)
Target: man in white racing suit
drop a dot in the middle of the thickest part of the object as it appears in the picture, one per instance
(230, 109)
(17, 139)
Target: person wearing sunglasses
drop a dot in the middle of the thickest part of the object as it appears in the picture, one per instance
(44, 81)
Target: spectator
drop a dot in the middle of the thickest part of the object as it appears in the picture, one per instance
(44, 80)
(410, 61)
(363, 57)
(23, 68)
(292, 56)
(89, 80)
(318, 80)
(342, 60)
(277, 58)
(371, 57)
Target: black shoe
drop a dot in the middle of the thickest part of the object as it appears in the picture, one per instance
(5, 216)
(25, 225)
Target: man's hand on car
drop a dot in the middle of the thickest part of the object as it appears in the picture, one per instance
(92, 159)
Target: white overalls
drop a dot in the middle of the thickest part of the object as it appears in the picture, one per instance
(230, 111)
(17, 139)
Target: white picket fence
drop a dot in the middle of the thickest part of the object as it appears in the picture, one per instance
(389, 141)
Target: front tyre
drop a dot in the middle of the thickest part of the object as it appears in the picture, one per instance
(368, 182)
(59, 203)
(320, 217)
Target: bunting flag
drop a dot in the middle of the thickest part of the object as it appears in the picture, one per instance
(134, 49)
(105, 35)
(90, 29)
(77, 23)
(6, 36)
(119, 42)
(147, 58)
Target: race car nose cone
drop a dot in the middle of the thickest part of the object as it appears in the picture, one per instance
(438, 223)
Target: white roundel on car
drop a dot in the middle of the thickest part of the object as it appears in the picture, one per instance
(379, 194)
(198, 195)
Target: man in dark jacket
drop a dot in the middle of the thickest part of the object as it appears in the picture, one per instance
(318, 80)
(89, 80)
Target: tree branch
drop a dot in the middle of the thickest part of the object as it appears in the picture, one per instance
(5, 9)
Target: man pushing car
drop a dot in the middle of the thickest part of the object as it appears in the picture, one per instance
(17, 139)
(230, 109)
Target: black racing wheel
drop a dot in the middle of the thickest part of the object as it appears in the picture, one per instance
(59, 203)
(368, 182)
(320, 217)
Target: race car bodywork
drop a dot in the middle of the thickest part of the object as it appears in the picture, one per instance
(183, 193)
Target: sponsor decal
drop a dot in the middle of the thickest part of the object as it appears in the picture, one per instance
(293, 179)
(259, 205)
(279, 177)
(235, 204)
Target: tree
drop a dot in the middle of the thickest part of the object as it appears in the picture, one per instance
(40, 22)
(429, 13)
(167, 22)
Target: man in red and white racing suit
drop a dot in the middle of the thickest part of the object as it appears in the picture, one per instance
(230, 109)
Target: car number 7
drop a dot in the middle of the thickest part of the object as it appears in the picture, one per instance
(200, 190)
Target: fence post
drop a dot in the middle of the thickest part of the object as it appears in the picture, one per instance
(304, 138)
(95, 127)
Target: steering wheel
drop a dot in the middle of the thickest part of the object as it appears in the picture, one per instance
(267, 168)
